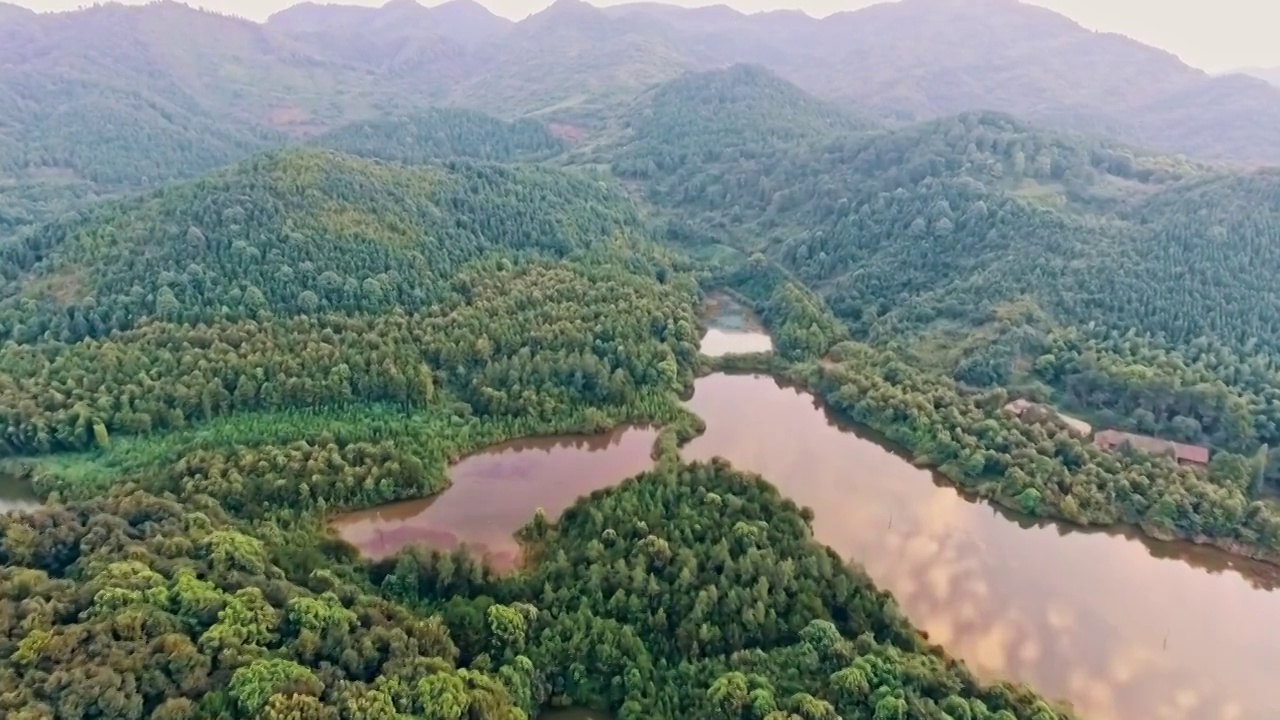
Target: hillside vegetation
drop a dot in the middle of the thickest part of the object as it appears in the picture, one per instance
(198, 376)
(252, 275)
(1118, 281)
(293, 232)
(113, 98)
(445, 133)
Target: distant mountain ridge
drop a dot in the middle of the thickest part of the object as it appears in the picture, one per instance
(315, 67)
(1270, 74)
(913, 59)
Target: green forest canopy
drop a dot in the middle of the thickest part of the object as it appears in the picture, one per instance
(204, 370)
(204, 393)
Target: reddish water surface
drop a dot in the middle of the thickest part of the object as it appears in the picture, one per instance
(1122, 627)
(497, 491)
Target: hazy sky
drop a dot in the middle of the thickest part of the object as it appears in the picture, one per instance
(1211, 34)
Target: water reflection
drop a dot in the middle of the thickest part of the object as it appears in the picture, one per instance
(1119, 626)
(733, 329)
(497, 491)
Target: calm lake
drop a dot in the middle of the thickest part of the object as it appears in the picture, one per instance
(1123, 627)
(497, 491)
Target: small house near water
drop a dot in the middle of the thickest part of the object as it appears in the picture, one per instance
(1113, 440)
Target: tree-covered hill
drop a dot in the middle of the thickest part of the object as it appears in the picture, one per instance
(225, 68)
(697, 594)
(137, 607)
(921, 59)
(998, 251)
(444, 133)
(294, 232)
(123, 97)
(698, 117)
(115, 98)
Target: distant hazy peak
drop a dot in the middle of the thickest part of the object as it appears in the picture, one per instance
(666, 11)
(1270, 74)
(467, 21)
(572, 16)
(12, 12)
(975, 12)
(463, 21)
(564, 9)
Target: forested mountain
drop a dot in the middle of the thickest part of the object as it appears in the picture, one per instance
(572, 54)
(293, 232)
(932, 57)
(431, 45)
(918, 59)
(1001, 252)
(117, 95)
(115, 98)
(444, 133)
(225, 69)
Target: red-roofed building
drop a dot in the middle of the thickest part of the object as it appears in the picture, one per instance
(1112, 440)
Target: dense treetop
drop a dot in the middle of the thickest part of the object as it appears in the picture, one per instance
(197, 372)
(138, 607)
(1132, 287)
(443, 133)
(700, 594)
(293, 232)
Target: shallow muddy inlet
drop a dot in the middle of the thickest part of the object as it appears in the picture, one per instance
(496, 491)
(732, 329)
(1121, 627)
(16, 494)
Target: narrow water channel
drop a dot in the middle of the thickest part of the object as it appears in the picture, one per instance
(497, 491)
(1121, 627)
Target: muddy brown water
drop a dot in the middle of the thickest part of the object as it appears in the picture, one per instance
(498, 490)
(1122, 627)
